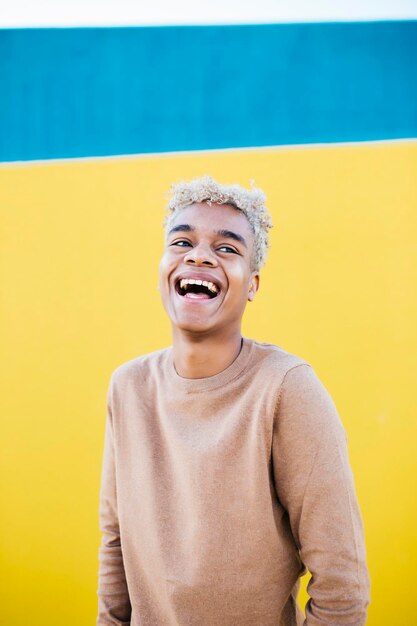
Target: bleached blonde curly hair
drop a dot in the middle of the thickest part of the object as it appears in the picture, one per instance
(251, 202)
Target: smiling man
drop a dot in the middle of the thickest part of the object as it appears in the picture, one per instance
(225, 471)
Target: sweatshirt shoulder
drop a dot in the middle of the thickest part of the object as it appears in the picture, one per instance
(275, 358)
(140, 368)
(295, 374)
(301, 391)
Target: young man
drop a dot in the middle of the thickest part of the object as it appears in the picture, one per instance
(225, 471)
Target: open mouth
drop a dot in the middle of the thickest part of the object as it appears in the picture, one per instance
(195, 289)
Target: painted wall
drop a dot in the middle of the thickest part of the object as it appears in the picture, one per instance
(107, 91)
(80, 244)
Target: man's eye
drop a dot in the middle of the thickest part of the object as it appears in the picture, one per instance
(227, 249)
(181, 242)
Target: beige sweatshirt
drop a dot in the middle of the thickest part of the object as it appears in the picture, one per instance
(218, 493)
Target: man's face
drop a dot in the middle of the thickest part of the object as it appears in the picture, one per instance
(212, 245)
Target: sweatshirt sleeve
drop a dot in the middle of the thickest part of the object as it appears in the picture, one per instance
(315, 485)
(114, 606)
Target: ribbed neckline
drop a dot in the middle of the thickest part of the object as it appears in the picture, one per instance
(195, 385)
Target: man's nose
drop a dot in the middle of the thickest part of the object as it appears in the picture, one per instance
(200, 255)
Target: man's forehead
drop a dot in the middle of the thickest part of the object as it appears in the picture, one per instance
(212, 216)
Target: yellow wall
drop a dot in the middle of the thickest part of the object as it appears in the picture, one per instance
(80, 243)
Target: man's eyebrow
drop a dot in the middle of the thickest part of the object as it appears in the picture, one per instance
(184, 228)
(223, 232)
(229, 234)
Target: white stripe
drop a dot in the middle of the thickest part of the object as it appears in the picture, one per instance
(38, 13)
(152, 155)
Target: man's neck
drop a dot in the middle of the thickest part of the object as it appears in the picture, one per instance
(197, 357)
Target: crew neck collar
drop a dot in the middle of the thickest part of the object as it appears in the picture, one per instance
(195, 385)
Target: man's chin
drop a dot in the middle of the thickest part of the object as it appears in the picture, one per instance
(193, 326)
(189, 319)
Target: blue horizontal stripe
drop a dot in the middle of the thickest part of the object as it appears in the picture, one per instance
(107, 91)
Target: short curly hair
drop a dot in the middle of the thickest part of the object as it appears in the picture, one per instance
(251, 202)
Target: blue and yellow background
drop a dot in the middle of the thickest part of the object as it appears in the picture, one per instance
(95, 124)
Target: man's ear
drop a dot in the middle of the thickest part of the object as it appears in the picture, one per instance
(253, 286)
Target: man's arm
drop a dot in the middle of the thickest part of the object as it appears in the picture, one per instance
(113, 597)
(314, 483)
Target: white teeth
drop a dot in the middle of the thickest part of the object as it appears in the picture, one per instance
(212, 287)
(191, 281)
